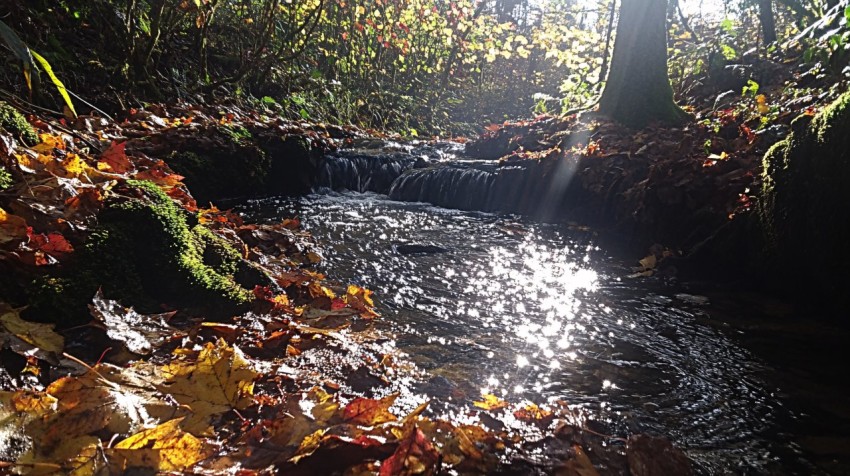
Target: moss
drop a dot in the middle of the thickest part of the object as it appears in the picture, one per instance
(223, 164)
(237, 133)
(16, 124)
(5, 178)
(169, 262)
(801, 209)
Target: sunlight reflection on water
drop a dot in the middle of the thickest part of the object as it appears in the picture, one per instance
(535, 312)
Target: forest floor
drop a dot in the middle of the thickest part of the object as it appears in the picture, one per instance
(185, 389)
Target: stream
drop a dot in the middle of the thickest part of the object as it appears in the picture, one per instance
(528, 311)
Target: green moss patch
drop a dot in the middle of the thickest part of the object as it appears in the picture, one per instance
(144, 254)
(16, 124)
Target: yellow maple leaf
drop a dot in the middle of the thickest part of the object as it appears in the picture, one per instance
(220, 379)
(37, 335)
(490, 402)
(163, 448)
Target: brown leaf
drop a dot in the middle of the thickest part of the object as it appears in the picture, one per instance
(370, 412)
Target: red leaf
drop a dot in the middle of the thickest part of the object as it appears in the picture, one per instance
(115, 159)
(414, 455)
(53, 244)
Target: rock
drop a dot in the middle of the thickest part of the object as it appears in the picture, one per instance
(417, 248)
(802, 208)
(656, 456)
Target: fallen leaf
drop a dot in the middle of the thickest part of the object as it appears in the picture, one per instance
(141, 334)
(163, 448)
(578, 465)
(415, 455)
(370, 412)
(12, 227)
(114, 159)
(40, 336)
(219, 380)
(490, 402)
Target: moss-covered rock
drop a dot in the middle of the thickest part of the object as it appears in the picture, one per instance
(221, 162)
(16, 124)
(802, 209)
(143, 253)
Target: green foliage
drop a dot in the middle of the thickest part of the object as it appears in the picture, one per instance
(16, 124)
(26, 55)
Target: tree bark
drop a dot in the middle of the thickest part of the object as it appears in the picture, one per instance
(768, 24)
(638, 90)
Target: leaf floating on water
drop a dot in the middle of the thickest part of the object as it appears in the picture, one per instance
(490, 402)
(141, 334)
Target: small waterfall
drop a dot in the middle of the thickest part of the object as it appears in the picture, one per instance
(362, 172)
(423, 174)
(451, 186)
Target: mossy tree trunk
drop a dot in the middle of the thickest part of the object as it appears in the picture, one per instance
(638, 90)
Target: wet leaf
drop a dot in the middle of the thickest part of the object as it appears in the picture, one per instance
(490, 402)
(163, 448)
(141, 334)
(650, 456)
(12, 227)
(370, 412)
(40, 336)
(578, 465)
(219, 380)
(415, 455)
(87, 404)
(361, 299)
(649, 262)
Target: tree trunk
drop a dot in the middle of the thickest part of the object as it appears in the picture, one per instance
(768, 24)
(638, 90)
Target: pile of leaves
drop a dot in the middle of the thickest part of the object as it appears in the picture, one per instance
(301, 383)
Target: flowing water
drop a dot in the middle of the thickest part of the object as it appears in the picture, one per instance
(528, 311)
